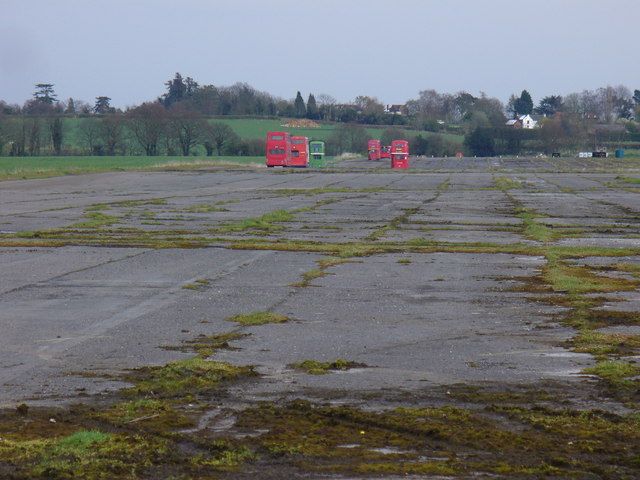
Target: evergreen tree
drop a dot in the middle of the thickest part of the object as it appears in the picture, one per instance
(549, 105)
(312, 107)
(300, 109)
(71, 106)
(44, 93)
(524, 104)
(176, 90)
(480, 143)
(511, 106)
(102, 106)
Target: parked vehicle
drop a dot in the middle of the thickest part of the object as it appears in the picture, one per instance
(385, 152)
(299, 152)
(278, 149)
(317, 149)
(399, 154)
(373, 147)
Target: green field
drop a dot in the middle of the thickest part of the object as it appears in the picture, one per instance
(251, 128)
(47, 166)
(258, 128)
(35, 167)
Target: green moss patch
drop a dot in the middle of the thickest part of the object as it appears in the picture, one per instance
(506, 183)
(315, 367)
(83, 454)
(329, 262)
(266, 223)
(183, 377)
(575, 280)
(634, 180)
(206, 345)
(513, 441)
(599, 344)
(258, 318)
(614, 371)
(309, 276)
(96, 220)
(535, 230)
(394, 224)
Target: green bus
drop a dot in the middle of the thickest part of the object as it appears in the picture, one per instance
(316, 152)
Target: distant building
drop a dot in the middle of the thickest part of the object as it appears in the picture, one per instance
(395, 109)
(523, 121)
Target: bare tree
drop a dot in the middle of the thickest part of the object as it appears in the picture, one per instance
(148, 123)
(348, 138)
(552, 135)
(390, 134)
(219, 135)
(606, 102)
(572, 104)
(111, 129)
(326, 106)
(185, 126)
(33, 136)
(83, 107)
(17, 137)
(56, 129)
(370, 109)
(89, 133)
(3, 131)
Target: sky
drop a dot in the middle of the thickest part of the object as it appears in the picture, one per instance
(128, 49)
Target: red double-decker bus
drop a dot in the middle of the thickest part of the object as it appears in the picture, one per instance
(399, 154)
(278, 149)
(299, 152)
(373, 146)
(385, 152)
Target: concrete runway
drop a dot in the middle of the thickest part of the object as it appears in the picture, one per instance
(71, 313)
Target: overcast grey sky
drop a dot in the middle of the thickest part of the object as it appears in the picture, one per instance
(127, 49)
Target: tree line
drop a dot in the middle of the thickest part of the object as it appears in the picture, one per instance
(178, 121)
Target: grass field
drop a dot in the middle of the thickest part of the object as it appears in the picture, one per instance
(35, 167)
(257, 128)
(248, 128)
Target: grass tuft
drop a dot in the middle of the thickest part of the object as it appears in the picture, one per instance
(183, 377)
(265, 223)
(506, 183)
(258, 318)
(96, 220)
(614, 371)
(314, 367)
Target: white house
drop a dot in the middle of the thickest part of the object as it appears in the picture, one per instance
(394, 109)
(523, 121)
(527, 121)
